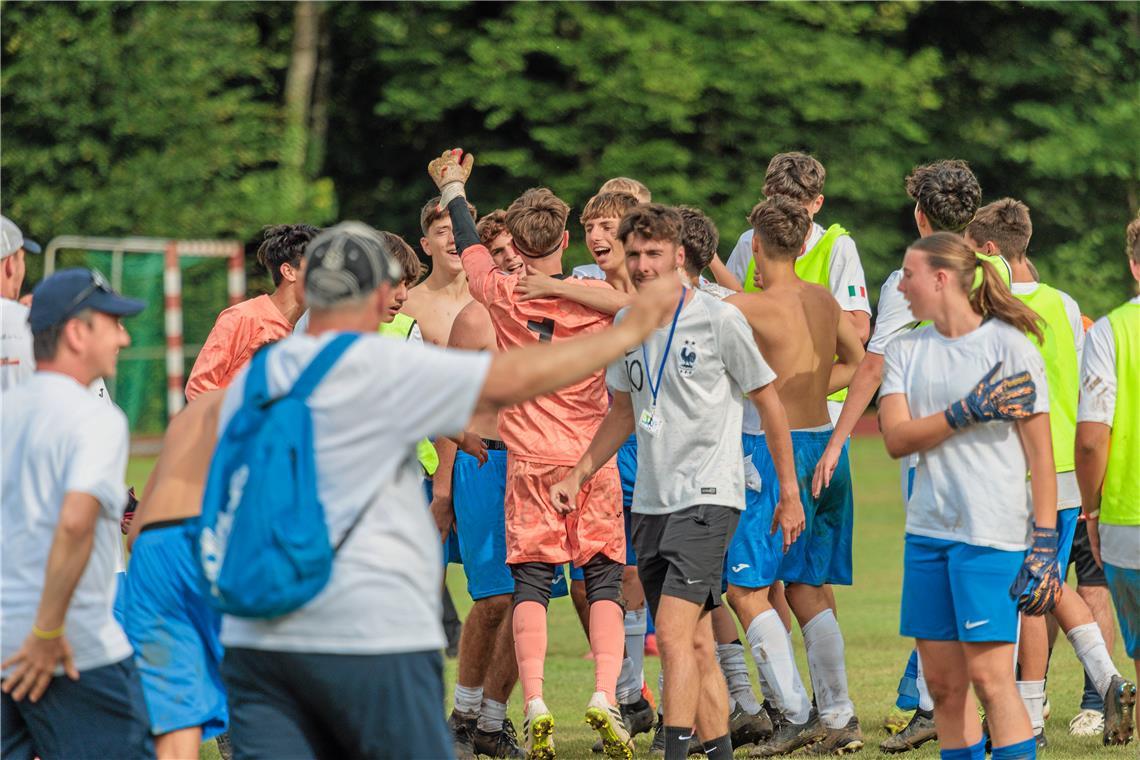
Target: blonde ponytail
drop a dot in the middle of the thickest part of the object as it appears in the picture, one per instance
(992, 297)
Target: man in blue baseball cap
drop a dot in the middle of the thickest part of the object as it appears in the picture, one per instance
(63, 459)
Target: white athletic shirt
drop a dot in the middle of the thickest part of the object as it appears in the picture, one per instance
(368, 413)
(1118, 543)
(713, 361)
(58, 437)
(416, 336)
(846, 282)
(971, 487)
(1068, 492)
(894, 316)
(17, 362)
(588, 272)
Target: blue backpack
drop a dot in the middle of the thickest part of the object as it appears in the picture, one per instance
(262, 541)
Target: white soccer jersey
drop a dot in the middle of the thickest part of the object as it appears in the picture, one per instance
(694, 458)
(17, 363)
(972, 486)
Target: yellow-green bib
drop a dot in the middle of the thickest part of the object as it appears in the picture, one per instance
(400, 328)
(1120, 500)
(1059, 350)
(813, 266)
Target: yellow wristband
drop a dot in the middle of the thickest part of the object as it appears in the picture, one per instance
(40, 633)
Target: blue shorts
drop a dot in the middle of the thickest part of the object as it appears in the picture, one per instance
(477, 493)
(174, 633)
(120, 607)
(1066, 530)
(1124, 585)
(822, 553)
(958, 592)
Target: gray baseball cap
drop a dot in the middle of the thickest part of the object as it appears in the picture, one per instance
(347, 262)
(12, 239)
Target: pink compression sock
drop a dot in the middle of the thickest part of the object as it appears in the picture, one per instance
(529, 624)
(607, 642)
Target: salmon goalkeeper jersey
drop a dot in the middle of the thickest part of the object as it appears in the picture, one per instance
(555, 428)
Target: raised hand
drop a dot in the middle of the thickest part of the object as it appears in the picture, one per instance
(449, 172)
(655, 303)
(1009, 398)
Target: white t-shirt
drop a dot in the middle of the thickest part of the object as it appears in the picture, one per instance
(17, 362)
(971, 487)
(57, 437)
(416, 336)
(1068, 492)
(1118, 543)
(894, 316)
(588, 272)
(846, 282)
(368, 413)
(713, 361)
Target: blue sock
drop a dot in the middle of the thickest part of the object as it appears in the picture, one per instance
(976, 752)
(1026, 750)
(1091, 699)
(908, 684)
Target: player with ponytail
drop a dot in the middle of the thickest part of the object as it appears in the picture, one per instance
(967, 393)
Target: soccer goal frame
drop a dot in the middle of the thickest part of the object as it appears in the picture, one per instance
(170, 249)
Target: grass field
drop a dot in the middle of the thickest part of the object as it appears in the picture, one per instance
(868, 615)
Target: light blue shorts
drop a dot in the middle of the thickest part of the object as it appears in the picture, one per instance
(954, 591)
(174, 633)
(1124, 585)
(822, 553)
(1066, 530)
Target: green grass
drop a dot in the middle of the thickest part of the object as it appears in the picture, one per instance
(868, 615)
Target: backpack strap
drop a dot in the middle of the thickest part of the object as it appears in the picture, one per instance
(312, 375)
(256, 390)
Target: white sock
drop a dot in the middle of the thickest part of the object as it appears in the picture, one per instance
(1033, 695)
(925, 701)
(632, 675)
(772, 650)
(824, 644)
(1089, 645)
(735, 669)
(491, 716)
(468, 700)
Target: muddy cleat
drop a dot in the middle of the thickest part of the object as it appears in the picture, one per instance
(919, 731)
(638, 717)
(840, 741)
(225, 749)
(606, 719)
(788, 737)
(897, 720)
(498, 744)
(1119, 702)
(1040, 740)
(1087, 723)
(538, 731)
(462, 735)
(745, 728)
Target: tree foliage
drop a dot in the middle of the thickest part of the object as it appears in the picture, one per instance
(172, 118)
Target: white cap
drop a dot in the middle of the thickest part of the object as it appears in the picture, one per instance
(12, 239)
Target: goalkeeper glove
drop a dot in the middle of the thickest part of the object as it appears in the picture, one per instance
(1037, 587)
(1010, 398)
(450, 172)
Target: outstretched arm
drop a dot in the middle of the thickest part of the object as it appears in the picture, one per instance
(599, 297)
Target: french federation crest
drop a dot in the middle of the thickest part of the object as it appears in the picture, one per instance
(687, 358)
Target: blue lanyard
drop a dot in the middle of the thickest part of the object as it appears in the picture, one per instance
(655, 387)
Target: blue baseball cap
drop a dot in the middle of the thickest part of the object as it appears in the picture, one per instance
(69, 291)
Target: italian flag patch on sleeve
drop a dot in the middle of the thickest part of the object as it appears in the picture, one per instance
(853, 291)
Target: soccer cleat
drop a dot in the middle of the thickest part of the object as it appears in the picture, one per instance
(1040, 740)
(919, 731)
(1119, 702)
(657, 746)
(498, 744)
(606, 719)
(897, 719)
(538, 731)
(745, 728)
(1046, 708)
(638, 717)
(788, 737)
(1087, 723)
(840, 741)
(462, 734)
(225, 749)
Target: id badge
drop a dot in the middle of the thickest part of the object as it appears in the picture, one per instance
(650, 421)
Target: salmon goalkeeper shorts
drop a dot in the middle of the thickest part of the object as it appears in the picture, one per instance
(536, 532)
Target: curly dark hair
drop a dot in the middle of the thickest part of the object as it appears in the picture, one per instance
(652, 221)
(283, 244)
(782, 224)
(700, 238)
(947, 192)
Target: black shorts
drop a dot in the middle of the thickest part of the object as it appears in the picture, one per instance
(1089, 573)
(681, 554)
